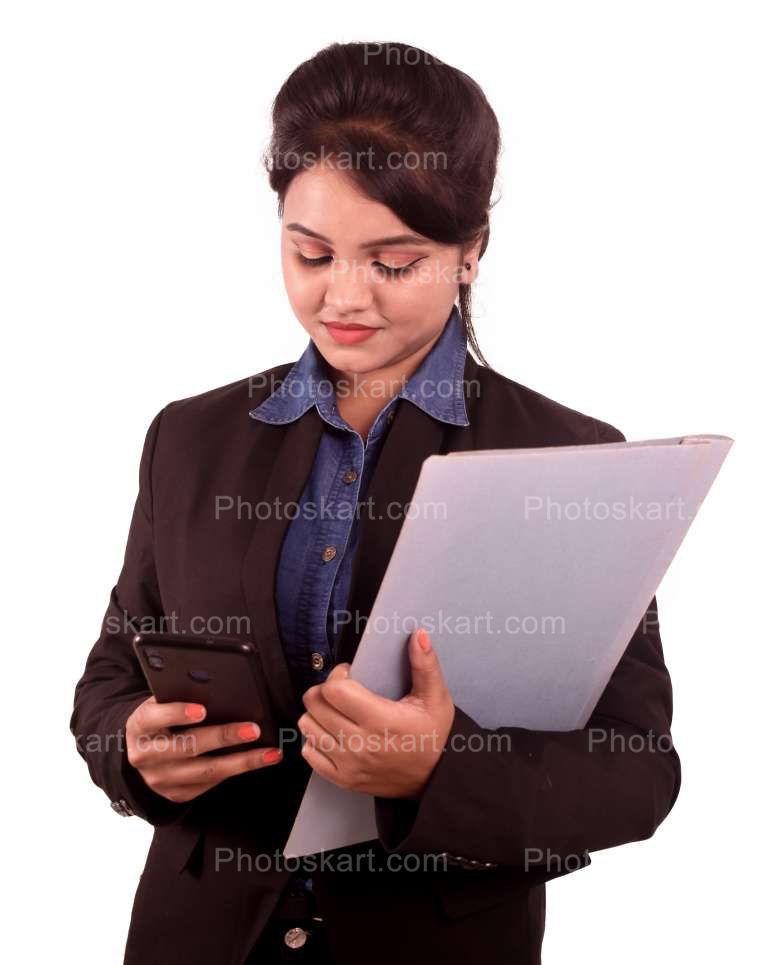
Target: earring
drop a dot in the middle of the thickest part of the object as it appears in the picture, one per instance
(467, 265)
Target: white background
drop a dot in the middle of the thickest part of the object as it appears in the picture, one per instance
(627, 276)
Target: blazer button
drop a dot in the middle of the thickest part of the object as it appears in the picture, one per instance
(317, 661)
(350, 476)
(295, 937)
(329, 553)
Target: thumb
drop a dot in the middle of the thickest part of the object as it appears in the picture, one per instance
(428, 682)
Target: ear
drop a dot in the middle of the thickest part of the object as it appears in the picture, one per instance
(471, 253)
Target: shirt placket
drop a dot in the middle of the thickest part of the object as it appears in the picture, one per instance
(330, 546)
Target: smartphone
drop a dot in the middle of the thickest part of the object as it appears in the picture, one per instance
(222, 673)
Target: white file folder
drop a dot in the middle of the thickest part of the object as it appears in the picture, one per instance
(531, 570)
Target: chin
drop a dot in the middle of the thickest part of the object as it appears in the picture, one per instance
(349, 360)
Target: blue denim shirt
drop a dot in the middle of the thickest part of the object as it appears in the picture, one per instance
(313, 578)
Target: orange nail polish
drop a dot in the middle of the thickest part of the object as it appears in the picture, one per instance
(248, 732)
(271, 756)
(195, 711)
(424, 640)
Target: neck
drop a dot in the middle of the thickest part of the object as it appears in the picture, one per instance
(361, 397)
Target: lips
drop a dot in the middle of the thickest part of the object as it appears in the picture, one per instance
(350, 326)
(349, 333)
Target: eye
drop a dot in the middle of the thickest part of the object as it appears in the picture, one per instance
(394, 272)
(387, 270)
(313, 261)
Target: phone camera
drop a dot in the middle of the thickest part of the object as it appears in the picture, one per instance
(155, 660)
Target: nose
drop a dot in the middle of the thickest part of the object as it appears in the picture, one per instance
(349, 288)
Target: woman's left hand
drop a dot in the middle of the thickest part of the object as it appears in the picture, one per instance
(364, 742)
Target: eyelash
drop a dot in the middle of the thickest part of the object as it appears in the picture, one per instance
(389, 270)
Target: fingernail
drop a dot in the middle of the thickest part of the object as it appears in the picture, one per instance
(424, 640)
(248, 732)
(271, 756)
(195, 711)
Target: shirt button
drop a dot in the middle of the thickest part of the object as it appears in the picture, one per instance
(329, 553)
(295, 937)
(350, 476)
(317, 661)
(391, 416)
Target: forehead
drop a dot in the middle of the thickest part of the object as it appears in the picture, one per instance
(327, 201)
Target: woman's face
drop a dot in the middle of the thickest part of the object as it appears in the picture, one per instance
(368, 268)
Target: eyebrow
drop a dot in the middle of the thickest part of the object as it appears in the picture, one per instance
(375, 243)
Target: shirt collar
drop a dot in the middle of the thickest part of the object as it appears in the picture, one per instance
(437, 386)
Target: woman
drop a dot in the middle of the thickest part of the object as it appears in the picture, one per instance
(383, 160)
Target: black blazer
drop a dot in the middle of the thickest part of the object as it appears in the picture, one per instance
(203, 896)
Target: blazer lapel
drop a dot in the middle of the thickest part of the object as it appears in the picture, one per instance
(292, 463)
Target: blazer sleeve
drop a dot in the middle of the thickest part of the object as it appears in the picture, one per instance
(113, 684)
(541, 800)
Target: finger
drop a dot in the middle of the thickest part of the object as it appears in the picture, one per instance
(428, 684)
(341, 670)
(326, 714)
(214, 770)
(368, 710)
(324, 740)
(151, 716)
(320, 762)
(151, 749)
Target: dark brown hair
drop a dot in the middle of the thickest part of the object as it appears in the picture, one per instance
(380, 101)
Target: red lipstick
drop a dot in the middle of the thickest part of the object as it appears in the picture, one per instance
(349, 333)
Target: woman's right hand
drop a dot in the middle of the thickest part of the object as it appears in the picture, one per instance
(174, 764)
